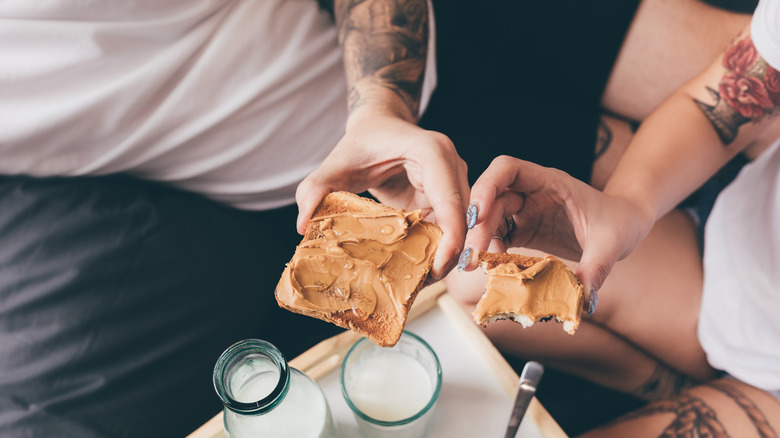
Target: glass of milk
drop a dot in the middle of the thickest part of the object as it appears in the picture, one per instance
(392, 391)
(263, 396)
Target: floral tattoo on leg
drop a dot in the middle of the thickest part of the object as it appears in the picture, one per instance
(748, 91)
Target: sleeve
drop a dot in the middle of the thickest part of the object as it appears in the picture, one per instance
(765, 31)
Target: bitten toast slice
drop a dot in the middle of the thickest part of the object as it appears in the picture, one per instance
(529, 289)
(360, 266)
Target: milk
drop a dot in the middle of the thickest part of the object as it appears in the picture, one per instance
(257, 387)
(303, 413)
(390, 386)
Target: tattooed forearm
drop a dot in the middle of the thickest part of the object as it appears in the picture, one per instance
(724, 119)
(385, 43)
(748, 91)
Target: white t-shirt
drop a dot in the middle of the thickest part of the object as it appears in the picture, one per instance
(739, 322)
(235, 99)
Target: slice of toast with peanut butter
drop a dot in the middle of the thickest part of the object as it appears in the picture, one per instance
(360, 266)
(529, 289)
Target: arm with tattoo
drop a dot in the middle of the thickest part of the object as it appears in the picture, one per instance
(683, 143)
(385, 44)
(749, 90)
(699, 129)
(385, 47)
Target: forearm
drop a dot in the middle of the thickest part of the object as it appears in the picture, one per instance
(385, 44)
(698, 130)
(675, 151)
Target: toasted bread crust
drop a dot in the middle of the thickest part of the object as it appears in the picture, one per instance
(338, 203)
(382, 329)
(489, 260)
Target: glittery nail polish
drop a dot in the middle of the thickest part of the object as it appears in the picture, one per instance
(593, 301)
(471, 216)
(464, 259)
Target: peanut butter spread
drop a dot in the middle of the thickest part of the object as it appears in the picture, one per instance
(546, 289)
(364, 263)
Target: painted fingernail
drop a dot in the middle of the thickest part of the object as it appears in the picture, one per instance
(471, 216)
(593, 301)
(464, 259)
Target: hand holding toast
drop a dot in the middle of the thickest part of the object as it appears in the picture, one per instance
(403, 166)
(555, 213)
(360, 266)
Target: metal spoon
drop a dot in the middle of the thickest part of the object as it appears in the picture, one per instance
(529, 380)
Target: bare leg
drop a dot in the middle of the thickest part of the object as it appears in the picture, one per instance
(721, 408)
(594, 352)
(653, 297)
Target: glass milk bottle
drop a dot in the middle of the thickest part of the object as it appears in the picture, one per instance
(263, 396)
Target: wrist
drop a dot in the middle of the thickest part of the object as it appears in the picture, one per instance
(638, 188)
(372, 99)
(639, 214)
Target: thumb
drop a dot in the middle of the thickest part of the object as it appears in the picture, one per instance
(308, 196)
(597, 261)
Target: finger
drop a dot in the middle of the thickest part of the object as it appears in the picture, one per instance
(496, 245)
(504, 173)
(308, 196)
(492, 226)
(450, 216)
(495, 222)
(598, 258)
(444, 182)
(336, 173)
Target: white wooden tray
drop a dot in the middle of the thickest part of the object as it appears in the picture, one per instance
(478, 385)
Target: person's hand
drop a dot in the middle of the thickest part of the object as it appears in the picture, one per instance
(403, 166)
(515, 203)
